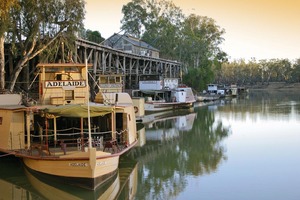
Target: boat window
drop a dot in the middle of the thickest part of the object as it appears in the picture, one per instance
(72, 69)
(118, 79)
(69, 94)
(51, 69)
(58, 77)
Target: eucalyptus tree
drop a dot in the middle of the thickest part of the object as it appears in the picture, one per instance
(164, 28)
(265, 71)
(135, 16)
(285, 69)
(93, 36)
(5, 8)
(193, 40)
(36, 24)
(296, 71)
(254, 74)
(156, 22)
(201, 48)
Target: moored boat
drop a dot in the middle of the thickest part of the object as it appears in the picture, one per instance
(162, 95)
(211, 94)
(66, 136)
(123, 182)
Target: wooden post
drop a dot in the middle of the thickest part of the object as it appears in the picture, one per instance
(55, 129)
(28, 128)
(81, 134)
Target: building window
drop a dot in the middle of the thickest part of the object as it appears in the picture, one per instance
(69, 94)
(127, 47)
(1, 120)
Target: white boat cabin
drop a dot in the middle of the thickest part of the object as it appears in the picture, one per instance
(154, 82)
(212, 88)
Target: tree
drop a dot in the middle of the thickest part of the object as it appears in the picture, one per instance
(37, 24)
(296, 71)
(5, 7)
(134, 18)
(192, 40)
(200, 47)
(156, 22)
(93, 36)
(163, 26)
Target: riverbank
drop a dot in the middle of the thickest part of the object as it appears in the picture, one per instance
(276, 86)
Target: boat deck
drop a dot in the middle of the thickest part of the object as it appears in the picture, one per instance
(68, 150)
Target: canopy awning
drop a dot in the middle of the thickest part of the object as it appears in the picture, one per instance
(78, 110)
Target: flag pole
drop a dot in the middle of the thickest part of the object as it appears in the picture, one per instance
(88, 104)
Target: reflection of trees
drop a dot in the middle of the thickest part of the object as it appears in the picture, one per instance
(264, 105)
(203, 146)
(165, 165)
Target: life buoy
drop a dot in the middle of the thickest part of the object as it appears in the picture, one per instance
(136, 109)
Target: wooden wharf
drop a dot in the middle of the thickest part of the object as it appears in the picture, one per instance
(107, 60)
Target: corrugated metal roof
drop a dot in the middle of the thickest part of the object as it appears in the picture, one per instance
(134, 41)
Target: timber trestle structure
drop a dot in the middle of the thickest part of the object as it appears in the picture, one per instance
(107, 61)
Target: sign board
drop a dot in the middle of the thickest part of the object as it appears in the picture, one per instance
(58, 84)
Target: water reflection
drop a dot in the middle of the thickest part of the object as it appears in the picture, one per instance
(176, 147)
(17, 182)
(13, 183)
(244, 143)
(169, 128)
(262, 150)
(264, 105)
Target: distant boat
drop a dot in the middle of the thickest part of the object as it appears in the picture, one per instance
(235, 90)
(162, 95)
(211, 94)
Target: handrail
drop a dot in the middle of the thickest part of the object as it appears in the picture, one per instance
(77, 133)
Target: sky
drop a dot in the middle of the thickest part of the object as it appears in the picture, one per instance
(260, 29)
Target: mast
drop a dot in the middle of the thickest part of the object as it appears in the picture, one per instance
(88, 105)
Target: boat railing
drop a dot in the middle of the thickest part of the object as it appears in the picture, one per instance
(66, 141)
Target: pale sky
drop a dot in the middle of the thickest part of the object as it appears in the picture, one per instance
(263, 29)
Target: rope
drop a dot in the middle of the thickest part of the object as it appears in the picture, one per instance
(8, 154)
(100, 133)
(122, 131)
(68, 134)
(49, 135)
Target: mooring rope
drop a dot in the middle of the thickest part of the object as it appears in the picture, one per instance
(8, 154)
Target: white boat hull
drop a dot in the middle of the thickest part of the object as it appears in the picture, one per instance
(162, 106)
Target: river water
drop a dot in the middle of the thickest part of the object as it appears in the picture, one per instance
(242, 148)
